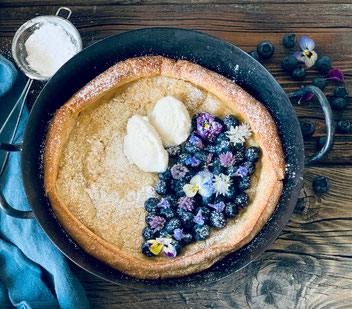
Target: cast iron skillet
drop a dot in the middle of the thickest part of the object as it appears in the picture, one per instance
(208, 51)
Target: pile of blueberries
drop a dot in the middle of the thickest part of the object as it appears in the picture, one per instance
(173, 212)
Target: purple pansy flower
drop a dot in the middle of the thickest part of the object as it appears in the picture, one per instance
(307, 55)
(164, 203)
(219, 207)
(198, 218)
(207, 126)
(241, 172)
(157, 223)
(179, 171)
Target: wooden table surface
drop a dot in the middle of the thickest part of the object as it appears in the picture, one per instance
(310, 264)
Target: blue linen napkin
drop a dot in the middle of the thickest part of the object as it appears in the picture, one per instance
(33, 272)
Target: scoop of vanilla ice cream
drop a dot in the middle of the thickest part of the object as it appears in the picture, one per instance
(143, 146)
(172, 121)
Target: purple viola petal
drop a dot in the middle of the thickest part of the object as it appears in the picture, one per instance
(178, 234)
(157, 223)
(241, 172)
(164, 203)
(192, 161)
(219, 207)
(195, 140)
(335, 75)
(169, 251)
(164, 240)
(299, 56)
(198, 218)
(306, 43)
(306, 97)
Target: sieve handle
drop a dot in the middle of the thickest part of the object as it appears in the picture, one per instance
(63, 8)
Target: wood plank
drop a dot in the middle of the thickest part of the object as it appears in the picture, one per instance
(309, 265)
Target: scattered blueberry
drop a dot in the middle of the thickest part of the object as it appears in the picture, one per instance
(231, 210)
(250, 166)
(244, 183)
(187, 219)
(338, 103)
(201, 232)
(151, 204)
(163, 234)
(321, 184)
(341, 91)
(161, 187)
(201, 155)
(172, 199)
(182, 158)
(210, 148)
(343, 126)
(191, 148)
(319, 82)
(252, 154)
(194, 122)
(230, 194)
(149, 217)
(187, 238)
(147, 233)
(242, 200)
(230, 120)
(145, 250)
(254, 54)
(289, 63)
(167, 213)
(323, 64)
(174, 151)
(265, 49)
(307, 128)
(217, 220)
(165, 175)
(172, 224)
(298, 73)
(177, 245)
(289, 40)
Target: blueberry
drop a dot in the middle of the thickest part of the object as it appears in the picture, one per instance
(167, 213)
(201, 155)
(338, 103)
(223, 146)
(216, 167)
(307, 128)
(231, 169)
(194, 122)
(344, 126)
(187, 219)
(162, 234)
(151, 204)
(222, 137)
(231, 210)
(230, 121)
(321, 184)
(165, 175)
(205, 212)
(207, 200)
(217, 220)
(289, 63)
(173, 151)
(244, 183)
(252, 154)
(341, 91)
(149, 217)
(183, 158)
(172, 225)
(161, 187)
(210, 148)
(242, 200)
(319, 82)
(201, 232)
(187, 239)
(177, 186)
(191, 148)
(177, 245)
(250, 166)
(145, 250)
(218, 199)
(323, 64)
(289, 40)
(254, 54)
(230, 194)
(298, 73)
(148, 233)
(172, 199)
(265, 49)
(180, 211)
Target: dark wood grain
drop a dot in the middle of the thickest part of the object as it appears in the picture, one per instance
(310, 265)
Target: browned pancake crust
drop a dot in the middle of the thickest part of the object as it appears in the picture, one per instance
(253, 113)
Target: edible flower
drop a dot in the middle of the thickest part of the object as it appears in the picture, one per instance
(241, 172)
(195, 140)
(221, 184)
(164, 203)
(219, 207)
(239, 134)
(307, 55)
(178, 234)
(227, 159)
(163, 245)
(178, 171)
(207, 126)
(157, 223)
(192, 161)
(200, 183)
(335, 75)
(186, 203)
(198, 218)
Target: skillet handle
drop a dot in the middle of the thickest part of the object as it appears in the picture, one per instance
(330, 125)
(3, 203)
